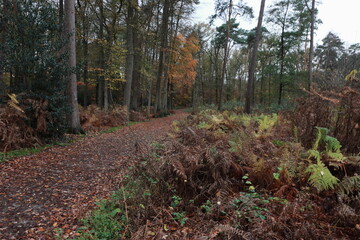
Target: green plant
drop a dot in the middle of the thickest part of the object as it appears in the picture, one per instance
(248, 207)
(21, 152)
(175, 201)
(111, 129)
(320, 176)
(58, 233)
(107, 221)
(207, 206)
(296, 134)
(349, 185)
(114, 129)
(180, 217)
(158, 146)
(31, 48)
(266, 123)
(278, 143)
(276, 175)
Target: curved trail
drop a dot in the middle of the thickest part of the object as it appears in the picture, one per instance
(53, 189)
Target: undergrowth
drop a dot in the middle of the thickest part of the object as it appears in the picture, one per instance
(4, 156)
(233, 176)
(116, 128)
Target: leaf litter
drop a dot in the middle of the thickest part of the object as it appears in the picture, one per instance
(55, 188)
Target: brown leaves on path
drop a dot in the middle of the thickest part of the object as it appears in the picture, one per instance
(53, 189)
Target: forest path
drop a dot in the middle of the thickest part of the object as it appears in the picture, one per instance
(56, 187)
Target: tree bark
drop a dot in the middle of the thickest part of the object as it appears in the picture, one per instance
(2, 41)
(2, 84)
(74, 116)
(226, 50)
(163, 46)
(61, 12)
(311, 51)
(85, 52)
(85, 73)
(252, 67)
(130, 52)
(282, 54)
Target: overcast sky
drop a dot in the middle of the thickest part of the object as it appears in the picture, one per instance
(340, 17)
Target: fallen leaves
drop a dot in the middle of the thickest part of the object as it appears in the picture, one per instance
(54, 188)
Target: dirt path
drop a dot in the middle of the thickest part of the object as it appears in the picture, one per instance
(52, 189)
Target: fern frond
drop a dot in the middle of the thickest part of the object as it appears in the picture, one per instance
(321, 134)
(320, 177)
(179, 169)
(349, 185)
(231, 232)
(14, 103)
(314, 154)
(332, 144)
(338, 156)
(333, 147)
(266, 123)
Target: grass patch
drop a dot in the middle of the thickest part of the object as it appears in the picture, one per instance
(114, 129)
(22, 152)
(5, 156)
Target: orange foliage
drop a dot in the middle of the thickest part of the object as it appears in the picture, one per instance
(182, 69)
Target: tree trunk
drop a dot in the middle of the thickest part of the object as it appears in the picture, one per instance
(136, 78)
(138, 61)
(61, 12)
(74, 117)
(282, 55)
(85, 45)
(226, 49)
(311, 51)
(85, 73)
(101, 60)
(106, 95)
(216, 75)
(252, 67)
(163, 46)
(130, 54)
(2, 84)
(240, 89)
(2, 40)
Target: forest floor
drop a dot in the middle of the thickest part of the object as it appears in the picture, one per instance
(55, 188)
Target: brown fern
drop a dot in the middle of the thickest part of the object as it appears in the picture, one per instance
(229, 232)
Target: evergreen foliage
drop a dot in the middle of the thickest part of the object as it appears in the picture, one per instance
(32, 54)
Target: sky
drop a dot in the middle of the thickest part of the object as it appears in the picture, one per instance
(338, 16)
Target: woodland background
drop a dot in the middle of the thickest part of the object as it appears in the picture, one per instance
(148, 55)
(271, 149)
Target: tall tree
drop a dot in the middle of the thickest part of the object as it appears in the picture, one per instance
(84, 29)
(74, 116)
(2, 41)
(225, 9)
(182, 69)
(289, 17)
(311, 50)
(226, 52)
(329, 62)
(329, 52)
(132, 5)
(252, 66)
(163, 46)
(101, 60)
